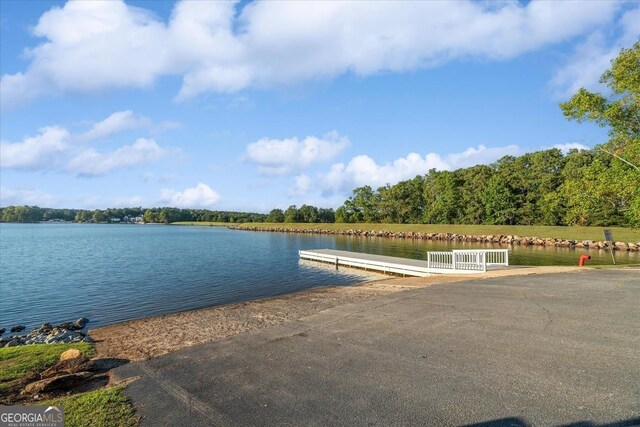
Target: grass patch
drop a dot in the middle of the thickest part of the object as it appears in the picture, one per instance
(105, 407)
(558, 232)
(19, 362)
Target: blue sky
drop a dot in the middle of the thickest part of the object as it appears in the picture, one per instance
(250, 106)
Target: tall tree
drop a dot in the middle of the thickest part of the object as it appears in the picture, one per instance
(617, 181)
(441, 197)
(291, 214)
(276, 215)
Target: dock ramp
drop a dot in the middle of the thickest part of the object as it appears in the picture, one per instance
(455, 262)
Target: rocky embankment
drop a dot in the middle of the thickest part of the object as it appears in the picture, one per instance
(67, 332)
(451, 237)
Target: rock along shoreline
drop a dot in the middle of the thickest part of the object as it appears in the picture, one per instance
(67, 332)
(452, 237)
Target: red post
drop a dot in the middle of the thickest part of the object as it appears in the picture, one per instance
(583, 258)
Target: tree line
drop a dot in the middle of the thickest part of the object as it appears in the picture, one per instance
(540, 188)
(164, 215)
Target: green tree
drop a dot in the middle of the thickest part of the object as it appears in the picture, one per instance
(473, 180)
(618, 180)
(291, 214)
(99, 216)
(441, 198)
(276, 215)
(308, 213)
(341, 215)
(499, 202)
(150, 216)
(81, 216)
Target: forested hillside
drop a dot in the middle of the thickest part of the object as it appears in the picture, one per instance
(541, 188)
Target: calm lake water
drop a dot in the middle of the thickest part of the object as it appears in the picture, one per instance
(111, 273)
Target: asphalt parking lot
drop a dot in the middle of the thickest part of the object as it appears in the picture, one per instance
(550, 349)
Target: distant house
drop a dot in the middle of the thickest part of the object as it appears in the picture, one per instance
(114, 220)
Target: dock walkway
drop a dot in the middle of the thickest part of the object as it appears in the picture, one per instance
(381, 263)
(455, 262)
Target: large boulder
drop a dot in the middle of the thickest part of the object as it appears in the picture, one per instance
(80, 323)
(72, 353)
(65, 325)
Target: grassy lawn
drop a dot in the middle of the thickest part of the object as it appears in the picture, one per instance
(105, 407)
(19, 362)
(572, 233)
(202, 224)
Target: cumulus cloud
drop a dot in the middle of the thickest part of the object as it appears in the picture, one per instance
(215, 47)
(593, 56)
(565, 148)
(25, 196)
(116, 122)
(35, 152)
(55, 148)
(363, 170)
(92, 163)
(301, 187)
(280, 156)
(200, 196)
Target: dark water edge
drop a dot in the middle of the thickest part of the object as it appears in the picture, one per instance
(111, 273)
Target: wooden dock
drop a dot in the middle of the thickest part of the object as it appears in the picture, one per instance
(455, 262)
(380, 263)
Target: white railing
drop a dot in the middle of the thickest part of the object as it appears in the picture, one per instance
(442, 260)
(470, 260)
(492, 256)
(466, 261)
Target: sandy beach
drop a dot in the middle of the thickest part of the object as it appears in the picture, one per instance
(155, 336)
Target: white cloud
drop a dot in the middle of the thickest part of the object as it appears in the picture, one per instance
(302, 186)
(35, 152)
(279, 156)
(25, 196)
(363, 170)
(565, 148)
(593, 56)
(55, 148)
(200, 196)
(272, 43)
(92, 163)
(116, 122)
(128, 202)
(479, 156)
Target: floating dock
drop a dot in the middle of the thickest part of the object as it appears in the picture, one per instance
(454, 262)
(380, 263)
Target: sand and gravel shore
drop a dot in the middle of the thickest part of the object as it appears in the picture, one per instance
(155, 336)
